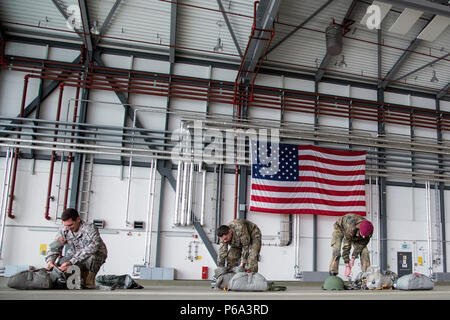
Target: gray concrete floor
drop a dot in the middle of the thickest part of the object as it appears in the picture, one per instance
(201, 290)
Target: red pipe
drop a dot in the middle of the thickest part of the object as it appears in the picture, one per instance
(16, 150)
(2, 56)
(52, 160)
(159, 88)
(70, 156)
(74, 119)
(260, 100)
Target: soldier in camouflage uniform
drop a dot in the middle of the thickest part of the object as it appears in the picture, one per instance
(244, 239)
(85, 247)
(351, 229)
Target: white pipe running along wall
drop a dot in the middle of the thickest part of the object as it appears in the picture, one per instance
(296, 246)
(5, 193)
(189, 196)
(150, 210)
(202, 208)
(176, 216)
(184, 193)
(429, 235)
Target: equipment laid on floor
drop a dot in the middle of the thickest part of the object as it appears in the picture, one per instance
(373, 279)
(414, 281)
(112, 282)
(237, 279)
(38, 279)
(333, 283)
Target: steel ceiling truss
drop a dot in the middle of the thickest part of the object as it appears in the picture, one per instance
(403, 58)
(258, 44)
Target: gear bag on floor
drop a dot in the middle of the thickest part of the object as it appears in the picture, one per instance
(112, 282)
(414, 281)
(237, 279)
(37, 279)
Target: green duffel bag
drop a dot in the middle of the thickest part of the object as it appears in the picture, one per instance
(38, 279)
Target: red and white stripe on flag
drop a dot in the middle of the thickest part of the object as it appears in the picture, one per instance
(326, 181)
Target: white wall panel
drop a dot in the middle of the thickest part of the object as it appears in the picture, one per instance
(405, 206)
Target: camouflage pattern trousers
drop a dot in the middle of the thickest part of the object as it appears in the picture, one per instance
(91, 264)
(234, 254)
(336, 244)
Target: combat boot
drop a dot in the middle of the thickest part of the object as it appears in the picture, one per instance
(88, 279)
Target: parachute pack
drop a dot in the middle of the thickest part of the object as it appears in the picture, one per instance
(236, 279)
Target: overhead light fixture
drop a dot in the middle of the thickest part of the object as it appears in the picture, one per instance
(434, 79)
(219, 45)
(341, 63)
(94, 28)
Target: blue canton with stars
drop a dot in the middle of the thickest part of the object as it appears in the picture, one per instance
(264, 166)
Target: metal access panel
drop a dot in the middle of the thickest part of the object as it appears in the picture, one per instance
(404, 263)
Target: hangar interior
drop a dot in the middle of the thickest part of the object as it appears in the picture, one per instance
(98, 97)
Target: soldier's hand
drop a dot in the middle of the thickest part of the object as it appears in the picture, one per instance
(352, 262)
(49, 266)
(348, 270)
(65, 266)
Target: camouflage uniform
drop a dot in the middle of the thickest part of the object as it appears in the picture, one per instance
(245, 244)
(84, 248)
(344, 233)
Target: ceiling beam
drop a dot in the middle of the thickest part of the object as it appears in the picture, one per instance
(312, 16)
(401, 61)
(173, 30)
(107, 21)
(444, 91)
(422, 67)
(426, 6)
(265, 16)
(230, 28)
(62, 8)
(86, 28)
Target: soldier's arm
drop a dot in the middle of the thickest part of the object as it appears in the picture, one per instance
(223, 252)
(93, 243)
(359, 246)
(55, 248)
(245, 240)
(346, 247)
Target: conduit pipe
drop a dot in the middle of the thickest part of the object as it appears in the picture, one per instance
(5, 192)
(16, 150)
(190, 194)
(429, 228)
(202, 208)
(370, 113)
(150, 210)
(74, 119)
(2, 54)
(53, 157)
(176, 215)
(184, 194)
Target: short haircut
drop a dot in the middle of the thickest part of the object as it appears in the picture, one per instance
(69, 213)
(222, 230)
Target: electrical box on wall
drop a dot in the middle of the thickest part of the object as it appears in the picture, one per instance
(404, 263)
(138, 224)
(100, 224)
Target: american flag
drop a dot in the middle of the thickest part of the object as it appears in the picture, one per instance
(305, 179)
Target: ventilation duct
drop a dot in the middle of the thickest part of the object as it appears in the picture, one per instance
(333, 36)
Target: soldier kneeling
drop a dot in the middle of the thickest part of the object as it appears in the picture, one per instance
(86, 248)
